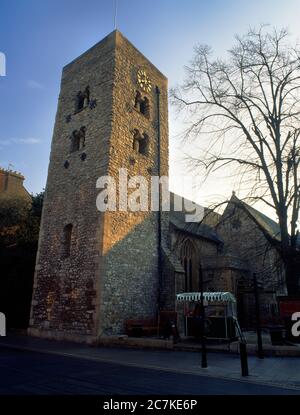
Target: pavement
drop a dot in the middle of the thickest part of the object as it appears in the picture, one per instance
(278, 372)
(189, 344)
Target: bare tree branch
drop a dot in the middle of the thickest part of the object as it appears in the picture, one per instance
(250, 104)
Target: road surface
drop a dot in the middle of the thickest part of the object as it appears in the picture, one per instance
(27, 373)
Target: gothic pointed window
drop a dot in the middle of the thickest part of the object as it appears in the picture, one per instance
(67, 240)
(185, 266)
(188, 260)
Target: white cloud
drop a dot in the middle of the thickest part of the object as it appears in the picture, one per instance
(30, 140)
(27, 141)
(34, 84)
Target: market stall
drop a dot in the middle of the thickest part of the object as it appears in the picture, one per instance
(220, 315)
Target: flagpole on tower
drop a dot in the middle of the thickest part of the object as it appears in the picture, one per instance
(116, 13)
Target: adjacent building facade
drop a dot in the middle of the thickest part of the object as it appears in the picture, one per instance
(11, 185)
(225, 251)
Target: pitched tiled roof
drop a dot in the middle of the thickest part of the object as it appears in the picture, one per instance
(271, 227)
(173, 259)
(202, 228)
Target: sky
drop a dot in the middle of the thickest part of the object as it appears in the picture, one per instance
(39, 37)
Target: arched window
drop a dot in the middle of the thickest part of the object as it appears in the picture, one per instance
(137, 101)
(142, 104)
(82, 99)
(136, 140)
(82, 132)
(75, 141)
(188, 261)
(78, 139)
(67, 240)
(79, 101)
(145, 107)
(144, 145)
(140, 142)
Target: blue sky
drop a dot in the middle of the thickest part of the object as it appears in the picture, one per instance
(39, 37)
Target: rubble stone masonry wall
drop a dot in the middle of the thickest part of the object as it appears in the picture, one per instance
(109, 271)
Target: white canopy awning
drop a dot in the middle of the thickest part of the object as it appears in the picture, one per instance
(226, 297)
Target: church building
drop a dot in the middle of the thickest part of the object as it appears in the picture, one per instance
(95, 270)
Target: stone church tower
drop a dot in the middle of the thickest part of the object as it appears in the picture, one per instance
(94, 270)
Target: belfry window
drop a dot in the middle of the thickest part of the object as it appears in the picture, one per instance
(138, 100)
(67, 240)
(140, 142)
(82, 99)
(143, 148)
(144, 107)
(79, 101)
(78, 139)
(75, 140)
(142, 104)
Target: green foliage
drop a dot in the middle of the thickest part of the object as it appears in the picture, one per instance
(20, 220)
(19, 232)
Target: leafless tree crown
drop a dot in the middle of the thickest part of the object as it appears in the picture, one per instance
(245, 113)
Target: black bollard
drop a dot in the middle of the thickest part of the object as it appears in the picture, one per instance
(244, 359)
(260, 351)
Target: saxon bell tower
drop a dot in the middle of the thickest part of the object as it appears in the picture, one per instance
(96, 269)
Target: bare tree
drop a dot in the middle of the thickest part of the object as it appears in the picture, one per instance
(244, 112)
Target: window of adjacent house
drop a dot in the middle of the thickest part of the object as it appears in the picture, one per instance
(67, 240)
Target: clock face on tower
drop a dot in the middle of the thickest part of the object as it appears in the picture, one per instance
(144, 80)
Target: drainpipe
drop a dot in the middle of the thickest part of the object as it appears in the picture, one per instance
(159, 195)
